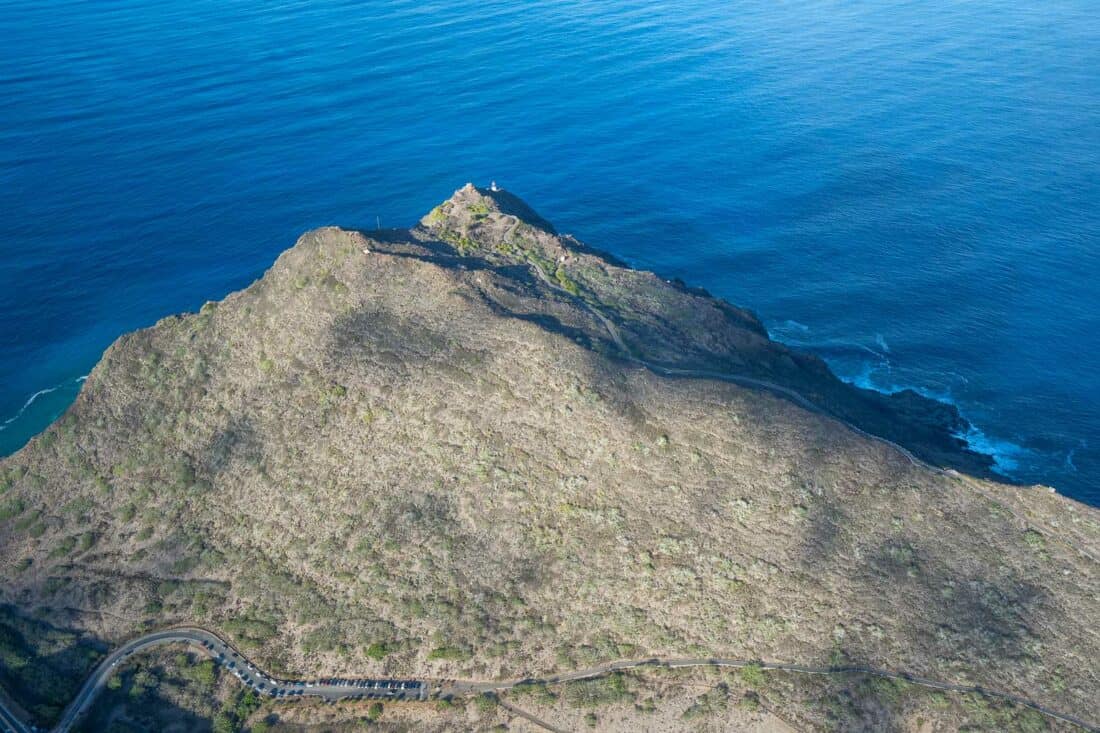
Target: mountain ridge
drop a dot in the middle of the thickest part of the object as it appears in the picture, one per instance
(441, 443)
(935, 426)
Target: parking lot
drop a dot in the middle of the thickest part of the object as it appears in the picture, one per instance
(327, 688)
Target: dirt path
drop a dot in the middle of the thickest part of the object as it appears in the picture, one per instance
(471, 687)
(531, 718)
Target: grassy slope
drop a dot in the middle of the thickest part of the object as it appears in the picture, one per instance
(387, 462)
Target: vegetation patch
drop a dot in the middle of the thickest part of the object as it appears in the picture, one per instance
(608, 690)
(711, 703)
(450, 653)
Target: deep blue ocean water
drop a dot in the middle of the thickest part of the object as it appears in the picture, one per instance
(910, 189)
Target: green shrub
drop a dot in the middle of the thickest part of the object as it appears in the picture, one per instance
(202, 674)
(41, 666)
(377, 651)
(144, 681)
(452, 653)
(565, 281)
(600, 691)
(11, 508)
(64, 547)
(538, 691)
(1035, 539)
(713, 702)
(224, 724)
(78, 507)
(27, 520)
(247, 703)
(753, 675)
(251, 629)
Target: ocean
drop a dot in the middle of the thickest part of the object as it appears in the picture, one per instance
(909, 189)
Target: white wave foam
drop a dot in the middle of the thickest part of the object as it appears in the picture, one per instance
(878, 375)
(1069, 464)
(788, 332)
(34, 398)
(30, 401)
(865, 379)
(877, 378)
(1006, 454)
(792, 333)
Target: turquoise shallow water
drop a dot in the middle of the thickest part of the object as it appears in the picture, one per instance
(910, 189)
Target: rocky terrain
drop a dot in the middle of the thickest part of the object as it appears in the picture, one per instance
(478, 449)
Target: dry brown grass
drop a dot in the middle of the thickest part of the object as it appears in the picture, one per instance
(441, 456)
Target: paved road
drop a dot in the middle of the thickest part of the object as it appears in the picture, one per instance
(232, 660)
(9, 723)
(420, 690)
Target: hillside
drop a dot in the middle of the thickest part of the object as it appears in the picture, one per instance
(478, 449)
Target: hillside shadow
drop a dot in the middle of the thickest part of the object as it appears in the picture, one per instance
(236, 440)
(116, 711)
(939, 611)
(44, 683)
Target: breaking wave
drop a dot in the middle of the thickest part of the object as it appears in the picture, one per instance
(1006, 455)
(35, 397)
(848, 360)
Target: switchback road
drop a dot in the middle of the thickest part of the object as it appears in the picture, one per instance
(233, 661)
(421, 690)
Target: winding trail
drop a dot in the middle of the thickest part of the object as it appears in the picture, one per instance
(422, 690)
(460, 687)
(627, 355)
